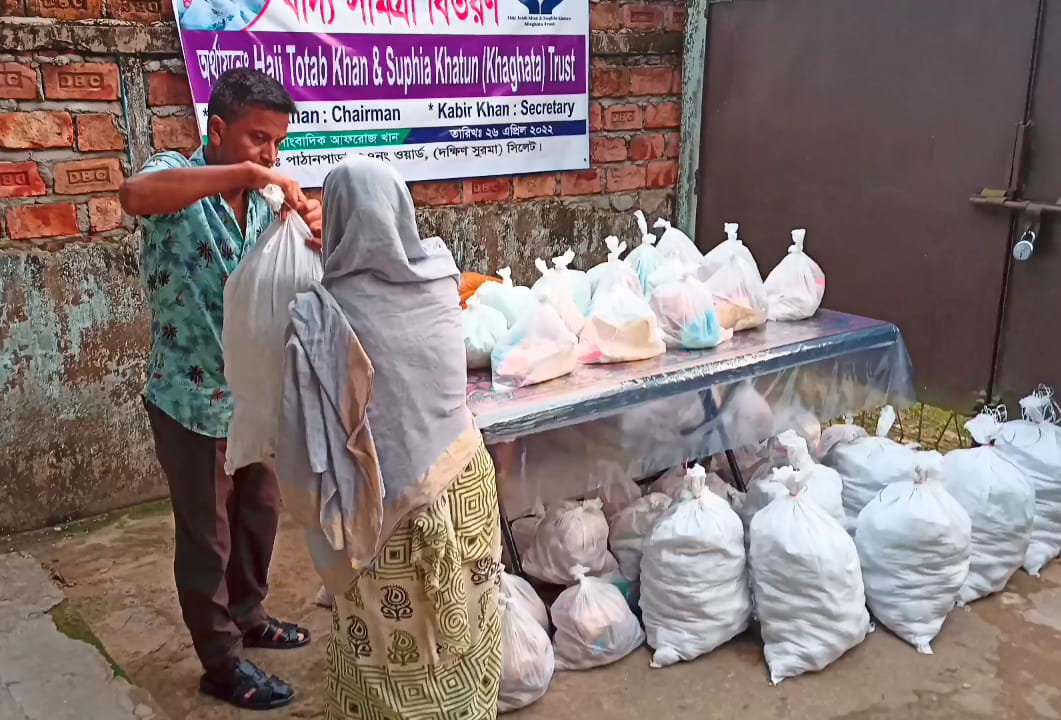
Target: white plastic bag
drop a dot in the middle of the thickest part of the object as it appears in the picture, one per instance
(256, 315)
(807, 582)
(694, 588)
(1033, 444)
(570, 534)
(913, 541)
(740, 298)
(686, 313)
(822, 486)
(795, 288)
(620, 328)
(646, 258)
(527, 658)
(575, 279)
(594, 625)
(555, 289)
(612, 271)
(673, 243)
(839, 434)
(682, 479)
(1000, 501)
(484, 328)
(631, 527)
(868, 465)
(718, 257)
(524, 529)
(538, 348)
(614, 486)
(519, 592)
(512, 301)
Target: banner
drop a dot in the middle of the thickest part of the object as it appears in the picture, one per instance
(440, 88)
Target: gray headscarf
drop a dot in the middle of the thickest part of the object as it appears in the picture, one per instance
(399, 294)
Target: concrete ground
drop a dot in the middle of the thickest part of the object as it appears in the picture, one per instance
(999, 659)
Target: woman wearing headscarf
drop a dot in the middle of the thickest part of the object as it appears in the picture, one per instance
(380, 460)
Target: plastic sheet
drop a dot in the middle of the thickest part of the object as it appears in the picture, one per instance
(653, 415)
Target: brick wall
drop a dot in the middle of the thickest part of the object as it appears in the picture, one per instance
(95, 88)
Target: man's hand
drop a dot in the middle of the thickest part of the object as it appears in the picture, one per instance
(260, 176)
(311, 212)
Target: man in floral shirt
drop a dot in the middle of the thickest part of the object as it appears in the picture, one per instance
(201, 216)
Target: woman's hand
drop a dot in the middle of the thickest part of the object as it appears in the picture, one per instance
(312, 214)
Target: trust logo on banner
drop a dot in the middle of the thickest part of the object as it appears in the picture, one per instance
(541, 7)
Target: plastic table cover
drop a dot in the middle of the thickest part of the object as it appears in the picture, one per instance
(559, 439)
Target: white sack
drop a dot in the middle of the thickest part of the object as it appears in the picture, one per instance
(519, 592)
(795, 288)
(512, 301)
(631, 527)
(839, 434)
(694, 588)
(537, 349)
(1033, 444)
(807, 582)
(646, 258)
(527, 658)
(484, 328)
(570, 534)
(621, 327)
(1000, 501)
(594, 625)
(256, 315)
(525, 529)
(914, 540)
(686, 313)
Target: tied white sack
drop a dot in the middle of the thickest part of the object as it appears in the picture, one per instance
(718, 257)
(821, 485)
(913, 541)
(1033, 444)
(740, 297)
(613, 270)
(839, 434)
(527, 658)
(673, 243)
(570, 534)
(646, 258)
(1000, 501)
(631, 527)
(256, 315)
(686, 313)
(869, 464)
(519, 592)
(681, 480)
(694, 585)
(538, 348)
(614, 486)
(512, 301)
(795, 288)
(525, 528)
(621, 327)
(594, 625)
(807, 582)
(484, 328)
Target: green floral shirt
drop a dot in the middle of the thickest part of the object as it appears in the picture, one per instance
(185, 260)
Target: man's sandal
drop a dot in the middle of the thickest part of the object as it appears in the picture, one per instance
(249, 688)
(276, 635)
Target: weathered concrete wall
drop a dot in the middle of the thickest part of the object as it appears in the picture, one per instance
(104, 82)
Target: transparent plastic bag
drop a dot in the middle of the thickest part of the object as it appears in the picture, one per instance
(570, 534)
(256, 316)
(513, 301)
(674, 243)
(527, 658)
(795, 288)
(631, 527)
(537, 349)
(686, 314)
(740, 298)
(614, 486)
(839, 434)
(620, 328)
(646, 258)
(613, 270)
(594, 624)
(519, 592)
(576, 280)
(484, 328)
(718, 257)
(554, 287)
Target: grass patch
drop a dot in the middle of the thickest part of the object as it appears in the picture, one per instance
(934, 428)
(35, 538)
(69, 623)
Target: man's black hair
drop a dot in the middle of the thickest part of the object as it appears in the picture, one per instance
(239, 88)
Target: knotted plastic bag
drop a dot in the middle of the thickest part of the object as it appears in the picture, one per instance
(718, 257)
(513, 301)
(256, 315)
(527, 658)
(519, 592)
(538, 348)
(740, 297)
(675, 244)
(594, 625)
(555, 288)
(613, 270)
(686, 313)
(821, 485)
(484, 328)
(913, 541)
(839, 434)
(576, 279)
(795, 288)
(646, 258)
(1000, 501)
(631, 527)
(620, 328)
(570, 534)
(805, 572)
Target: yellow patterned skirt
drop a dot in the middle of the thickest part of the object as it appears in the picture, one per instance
(418, 637)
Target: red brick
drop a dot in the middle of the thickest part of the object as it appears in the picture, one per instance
(104, 214)
(27, 222)
(65, 9)
(166, 88)
(674, 19)
(81, 177)
(622, 117)
(487, 189)
(175, 133)
(595, 117)
(604, 16)
(17, 82)
(96, 133)
(676, 82)
(663, 115)
(646, 147)
(661, 174)
(642, 17)
(627, 177)
(580, 182)
(607, 149)
(651, 80)
(11, 8)
(20, 180)
(436, 193)
(609, 82)
(533, 186)
(85, 81)
(141, 11)
(35, 130)
(673, 147)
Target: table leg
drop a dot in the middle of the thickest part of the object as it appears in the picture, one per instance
(712, 412)
(506, 456)
(738, 478)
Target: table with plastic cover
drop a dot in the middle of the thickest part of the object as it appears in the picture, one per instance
(563, 438)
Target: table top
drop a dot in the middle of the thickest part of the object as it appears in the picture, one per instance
(593, 391)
